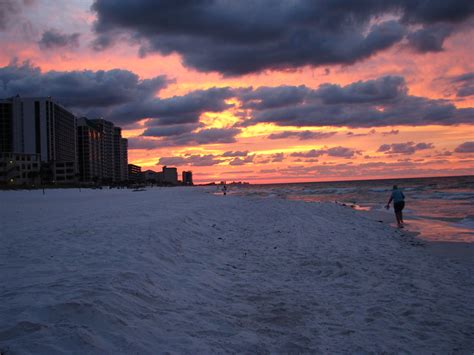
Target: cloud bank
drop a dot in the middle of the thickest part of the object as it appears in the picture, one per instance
(225, 37)
(123, 97)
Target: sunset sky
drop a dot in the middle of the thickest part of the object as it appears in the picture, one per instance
(260, 91)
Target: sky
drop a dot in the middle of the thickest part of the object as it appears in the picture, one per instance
(258, 91)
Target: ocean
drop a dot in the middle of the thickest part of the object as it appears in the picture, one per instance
(438, 208)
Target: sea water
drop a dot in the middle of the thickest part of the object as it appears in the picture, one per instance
(439, 208)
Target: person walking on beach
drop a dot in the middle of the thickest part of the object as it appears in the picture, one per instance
(224, 190)
(398, 204)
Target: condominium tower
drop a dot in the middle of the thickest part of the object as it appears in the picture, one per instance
(89, 151)
(42, 127)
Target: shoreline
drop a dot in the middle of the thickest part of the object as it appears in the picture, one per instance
(438, 208)
(458, 251)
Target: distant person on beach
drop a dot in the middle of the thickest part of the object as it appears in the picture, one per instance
(224, 190)
(398, 203)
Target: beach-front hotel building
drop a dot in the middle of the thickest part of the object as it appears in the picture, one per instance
(114, 156)
(123, 156)
(89, 151)
(106, 129)
(65, 149)
(120, 155)
(41, 128)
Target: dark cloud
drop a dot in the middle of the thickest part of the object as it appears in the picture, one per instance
(302, 135)
(313, 153)
(216, 135)
(445, 153)
(53, 39)
(119, 95)
(404, 148)
(270, 158)
(466, 147)
(204, 136)
(103, 42)
(464, 84)
(242, 161)
(171, 161)
(391, 132)
(430, 38)
(179, 109)
(352, 134)
(193, 160)
(387, 88)
(92, 93)
(142, 143)
(338, 152)
(341, 152)
(271, 97)
(235, 153)
(242, 37)
(277, 157)
(381, 102)
(170, 130)
(435, 11)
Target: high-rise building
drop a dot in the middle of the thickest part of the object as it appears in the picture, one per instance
(89, 151)
(114, 151)
(170, 175)
(124, 159)
(120, 156)
(117, 154)
(66, 148)
(40, 126)
(187, 177)
(107, 147)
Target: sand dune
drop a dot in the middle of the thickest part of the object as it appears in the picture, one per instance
(182, 270)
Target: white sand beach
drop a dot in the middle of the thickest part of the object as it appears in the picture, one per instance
(183, 270)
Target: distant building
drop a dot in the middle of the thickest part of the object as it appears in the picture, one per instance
(187, 177)
(89, 151)
(170, 175)
(151, 176)
(134, 169)
(134, 172)
(40, 126)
